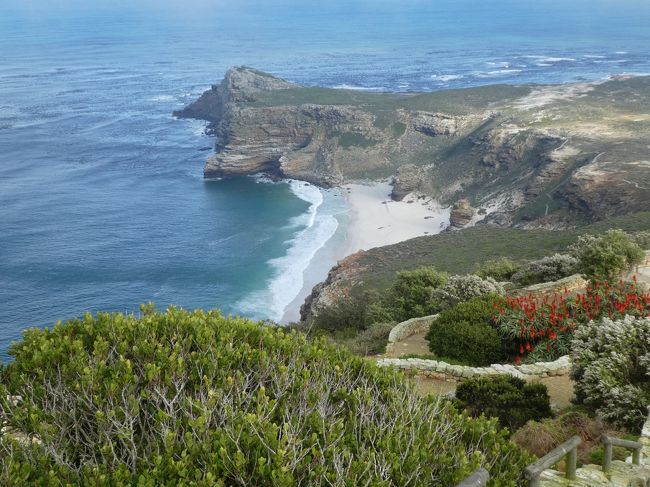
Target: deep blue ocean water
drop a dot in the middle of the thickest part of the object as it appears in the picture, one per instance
(102, 201)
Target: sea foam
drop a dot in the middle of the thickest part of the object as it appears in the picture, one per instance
(314, 230)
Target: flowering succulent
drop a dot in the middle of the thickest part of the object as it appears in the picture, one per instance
(542, 325)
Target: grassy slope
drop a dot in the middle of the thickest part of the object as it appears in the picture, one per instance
(460, 252)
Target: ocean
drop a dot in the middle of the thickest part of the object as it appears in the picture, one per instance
(102, 201)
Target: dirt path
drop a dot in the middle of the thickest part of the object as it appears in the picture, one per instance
(560, 389)
(413, 345)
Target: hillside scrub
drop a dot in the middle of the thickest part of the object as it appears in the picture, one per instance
(463, 288)
(611, 369)
(510, 399)
(410, 294)
(500, 270)
(606, 256)
(546, 269)
(193, 398)
(464, 334)
(540, 437)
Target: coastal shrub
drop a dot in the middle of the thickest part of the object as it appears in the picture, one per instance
(547, 269)
(611, 369)
(606, 256)
(193, 398)
(410, 294)
(510, 399)
(372, 340)
(464, 288)
(540, 437)
(351, 313)
(464, 334)
(541, 327)
(500, 270)
(642, 239)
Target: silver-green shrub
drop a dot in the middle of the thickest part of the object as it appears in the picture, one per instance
(611, 368)
(606, 256)
(463, 288)
(547, 269)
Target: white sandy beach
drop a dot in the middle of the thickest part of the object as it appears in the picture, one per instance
(373, 220)
(376, 220)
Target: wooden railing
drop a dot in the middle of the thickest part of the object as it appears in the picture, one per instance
(610, 442)
(568, 449)
(479, 478)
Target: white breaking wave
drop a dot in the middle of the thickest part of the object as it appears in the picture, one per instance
(288, 271)
(163, 98)
(346, 86)
(500, 72)
(447, 77)
(550, 59)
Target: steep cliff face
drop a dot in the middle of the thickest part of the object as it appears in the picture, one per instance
(515, 155)
(604, 188)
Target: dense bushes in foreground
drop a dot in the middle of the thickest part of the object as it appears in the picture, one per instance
(506, 397)
(192, 398)
(611, 369)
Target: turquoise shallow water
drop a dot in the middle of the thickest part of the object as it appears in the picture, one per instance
(102, 201)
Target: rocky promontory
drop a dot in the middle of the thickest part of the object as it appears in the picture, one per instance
(541, 156)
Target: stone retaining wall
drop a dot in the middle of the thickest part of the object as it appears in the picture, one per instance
(570, 283)
(408, 328)
(443, 371)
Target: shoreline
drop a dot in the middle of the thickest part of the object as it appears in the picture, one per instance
(372, 219)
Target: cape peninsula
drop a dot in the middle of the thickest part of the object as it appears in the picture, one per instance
(542, 156)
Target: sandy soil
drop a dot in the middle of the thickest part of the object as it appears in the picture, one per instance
(376, 220)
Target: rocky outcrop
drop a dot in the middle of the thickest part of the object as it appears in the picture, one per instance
(462, 214)
(335, 288)
(436, 124)
(409, 178)
(509, 145)
(240, 84)
(608, 188)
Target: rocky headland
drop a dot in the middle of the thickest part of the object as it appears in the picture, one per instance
(532, 156)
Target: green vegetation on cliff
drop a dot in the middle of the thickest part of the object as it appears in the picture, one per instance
(462, 251)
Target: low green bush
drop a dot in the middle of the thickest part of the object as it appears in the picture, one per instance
(546, 269)
(463, 288)
(606, 256)
(410, 294)
(508, 398)
(193, 398)
(500, 270)
(642, 239)
(465, 334)
(372, 340)
(351, 313)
